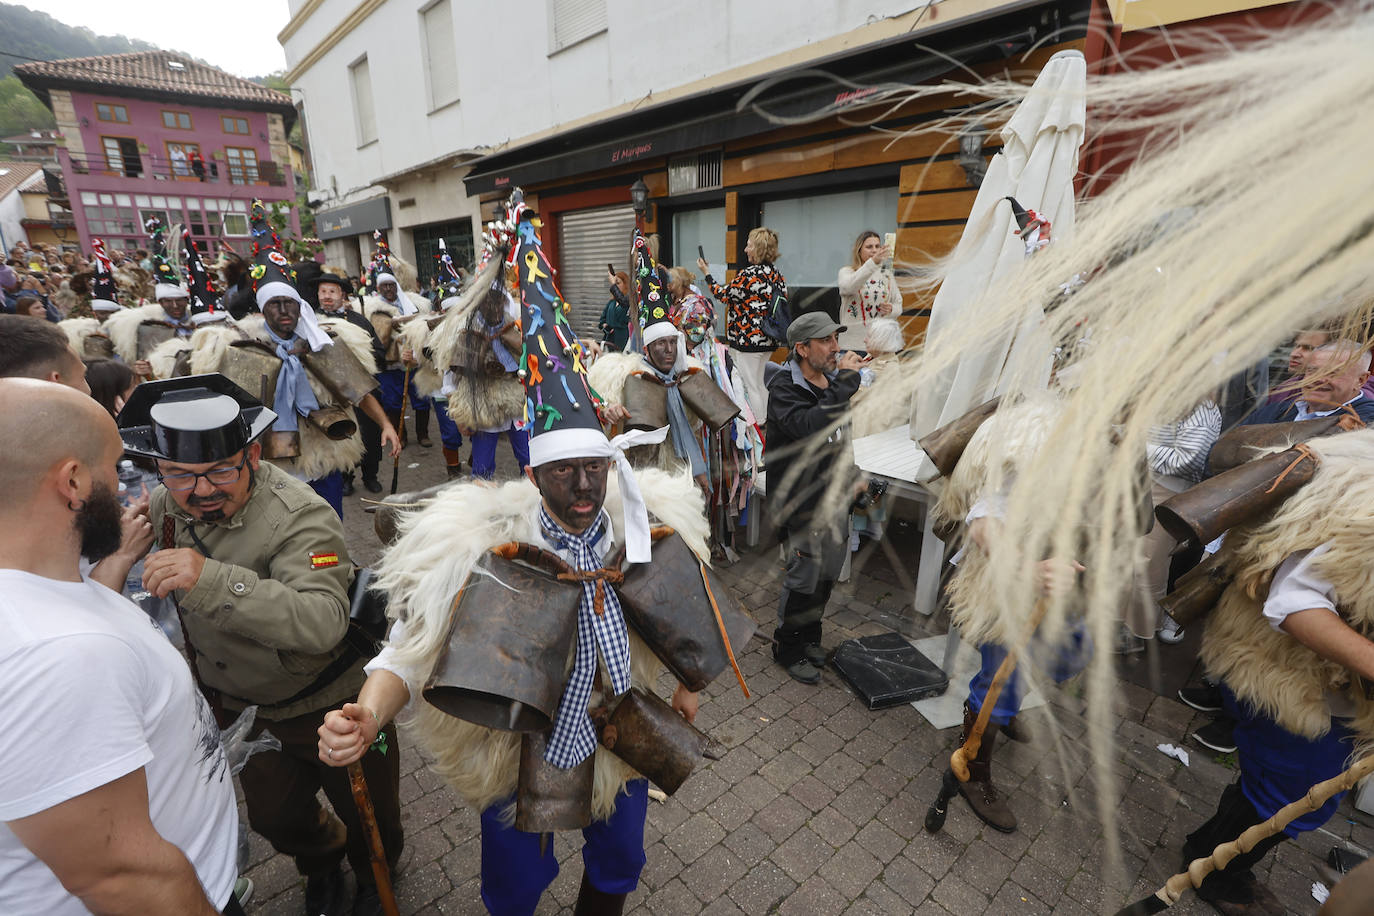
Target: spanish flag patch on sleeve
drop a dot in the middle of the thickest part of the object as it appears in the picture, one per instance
(323, 560)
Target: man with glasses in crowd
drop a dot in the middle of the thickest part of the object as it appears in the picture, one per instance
(257, 564)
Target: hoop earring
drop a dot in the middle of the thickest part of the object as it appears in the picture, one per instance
(77, 508)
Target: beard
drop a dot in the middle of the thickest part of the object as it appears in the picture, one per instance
(98, 523)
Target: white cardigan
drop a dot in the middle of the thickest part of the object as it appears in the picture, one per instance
(863, 291)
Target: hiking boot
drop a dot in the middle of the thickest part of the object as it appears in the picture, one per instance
(325, 894)
(1218, 735)
(1241, 895)
(982, 796)
(1203, 699)
(802, 670)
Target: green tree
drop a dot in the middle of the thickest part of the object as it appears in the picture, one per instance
(20, 109)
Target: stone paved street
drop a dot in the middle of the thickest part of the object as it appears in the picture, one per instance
(817, 805)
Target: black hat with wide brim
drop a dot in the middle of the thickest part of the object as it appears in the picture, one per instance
(197, 419)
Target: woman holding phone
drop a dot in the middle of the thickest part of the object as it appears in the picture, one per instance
(868, 289)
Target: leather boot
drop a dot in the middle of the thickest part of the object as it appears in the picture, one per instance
(422, 427)
(453, 460)
(592, 902)
(982, 796)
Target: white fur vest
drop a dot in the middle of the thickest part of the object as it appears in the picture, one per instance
(426, 566)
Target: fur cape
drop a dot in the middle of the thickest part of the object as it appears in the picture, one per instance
(122, 328)
(1012, 435)
(319, 454)
(81, 330)
(429, 562)
(1269, 669)
(429, 378)
(381, 314)
(135, 283)
(608, 375)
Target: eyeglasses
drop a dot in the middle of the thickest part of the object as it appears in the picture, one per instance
(180, 483)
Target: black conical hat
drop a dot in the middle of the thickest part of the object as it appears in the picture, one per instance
(164, 274)
(560, 406)
(204, 297)
(654, 322)
(270, 266)
(104, 293)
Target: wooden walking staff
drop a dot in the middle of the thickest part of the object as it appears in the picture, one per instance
(380, 870)
(958, 761)
(1198, 869)
(405, 402)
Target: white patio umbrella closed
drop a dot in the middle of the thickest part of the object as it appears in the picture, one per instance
(1036, 165)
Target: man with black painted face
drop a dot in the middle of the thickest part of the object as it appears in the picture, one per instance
(563, 513)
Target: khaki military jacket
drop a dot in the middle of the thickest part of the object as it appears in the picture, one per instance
(271, 606)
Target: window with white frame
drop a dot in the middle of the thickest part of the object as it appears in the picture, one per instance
(572, 21)
(441, 60)
(363, 112)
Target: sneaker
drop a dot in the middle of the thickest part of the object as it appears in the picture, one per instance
(1203, 699)
(804, 672)
(1127, 643)
(1171, 633)
(815, 654)
(243, 891)
(1218, 735)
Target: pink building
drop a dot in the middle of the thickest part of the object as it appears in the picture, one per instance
(155, 134)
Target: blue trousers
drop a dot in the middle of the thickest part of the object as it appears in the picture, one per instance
(484, 451)
(1277, 766)
(330, 487)
(1059, 662)
(449, 436)
(391, 381)
(515, 873)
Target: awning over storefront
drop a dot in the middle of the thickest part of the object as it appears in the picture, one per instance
(715, 116)
(354, 219)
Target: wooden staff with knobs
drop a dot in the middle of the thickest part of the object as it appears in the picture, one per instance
(380, 870)
(958, 761)
(1198, 869)
(405, 402)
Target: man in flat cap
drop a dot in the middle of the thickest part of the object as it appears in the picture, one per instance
(256, 562)
(805, 449)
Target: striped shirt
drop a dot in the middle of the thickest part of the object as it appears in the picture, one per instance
(1180, 449)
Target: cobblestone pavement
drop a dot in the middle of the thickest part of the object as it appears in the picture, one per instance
(818, 804)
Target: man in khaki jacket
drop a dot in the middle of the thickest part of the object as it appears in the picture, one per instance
(257, 563)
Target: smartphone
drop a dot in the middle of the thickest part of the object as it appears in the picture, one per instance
(610, 268)
(701, 253)
(890, 241)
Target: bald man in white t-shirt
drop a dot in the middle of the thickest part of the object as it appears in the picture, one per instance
(115, 796)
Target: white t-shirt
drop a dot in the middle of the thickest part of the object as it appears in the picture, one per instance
(1296, 587)
(91, 690)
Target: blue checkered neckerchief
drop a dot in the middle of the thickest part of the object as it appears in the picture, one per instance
(574, 737)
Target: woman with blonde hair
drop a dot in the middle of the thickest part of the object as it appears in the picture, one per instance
(748, 300)
(868, 290)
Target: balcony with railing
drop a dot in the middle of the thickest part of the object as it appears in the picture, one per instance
(134, 170)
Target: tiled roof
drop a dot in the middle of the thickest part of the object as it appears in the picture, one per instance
(35, 185)
(15, 174)
(162, 72)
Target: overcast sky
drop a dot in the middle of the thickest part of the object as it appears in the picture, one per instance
(239, 36)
